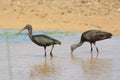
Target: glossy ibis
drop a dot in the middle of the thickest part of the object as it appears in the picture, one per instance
(41, 40)
(91, 36)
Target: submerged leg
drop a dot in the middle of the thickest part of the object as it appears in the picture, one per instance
(97, 50)
(51, 51)
(91, 49)
(45, 50)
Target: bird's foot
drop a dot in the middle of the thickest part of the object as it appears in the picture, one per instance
(51, 54)
(97, 55)
(45, 55)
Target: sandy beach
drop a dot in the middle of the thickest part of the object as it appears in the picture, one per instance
(60, 15)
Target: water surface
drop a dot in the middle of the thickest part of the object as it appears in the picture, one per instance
(27, 61)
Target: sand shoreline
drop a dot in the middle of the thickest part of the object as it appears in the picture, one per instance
(74, 24)
(72, 16)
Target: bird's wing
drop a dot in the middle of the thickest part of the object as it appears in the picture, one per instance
(95, 35)
(100, 35)
(42, 40)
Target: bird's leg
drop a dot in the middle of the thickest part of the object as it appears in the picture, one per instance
(45, 50)
(96, 49)
(91, 49)
(51, 51)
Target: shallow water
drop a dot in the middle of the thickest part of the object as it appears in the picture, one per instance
(28, 61)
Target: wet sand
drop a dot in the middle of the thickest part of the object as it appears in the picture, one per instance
(28, 61)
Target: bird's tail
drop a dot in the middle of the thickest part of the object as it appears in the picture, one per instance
(58, 42)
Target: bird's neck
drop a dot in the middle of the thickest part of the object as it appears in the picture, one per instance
(80, 43)
(75, 46)
(30, 34)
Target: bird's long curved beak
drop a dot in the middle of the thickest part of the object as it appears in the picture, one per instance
(71, 51)
(20, 31)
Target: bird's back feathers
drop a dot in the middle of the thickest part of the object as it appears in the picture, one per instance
(95, 35)
(44, 40)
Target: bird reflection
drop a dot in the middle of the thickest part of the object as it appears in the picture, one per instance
(94, 68)
(43, 70)
(91, 57)
(97, 69)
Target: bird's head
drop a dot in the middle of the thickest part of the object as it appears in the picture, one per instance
(73, 47)
(58, 42)
(28, 27)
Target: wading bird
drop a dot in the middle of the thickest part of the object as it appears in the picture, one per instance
(91, 36)
(41, 40)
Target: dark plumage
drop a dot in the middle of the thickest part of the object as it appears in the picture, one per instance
(41, 40)
(91, 36)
